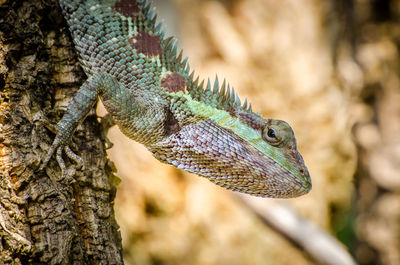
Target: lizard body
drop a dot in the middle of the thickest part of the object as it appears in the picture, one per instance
(153, 97)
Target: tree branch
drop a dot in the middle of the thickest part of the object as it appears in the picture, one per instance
(318, 244)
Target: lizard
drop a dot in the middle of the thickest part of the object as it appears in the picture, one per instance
(155, 99)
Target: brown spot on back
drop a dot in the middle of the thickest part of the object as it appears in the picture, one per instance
(147, 44)
(171, 124)
(174, 82)
(128, 8)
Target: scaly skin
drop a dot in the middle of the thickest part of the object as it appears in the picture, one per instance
(149, 91)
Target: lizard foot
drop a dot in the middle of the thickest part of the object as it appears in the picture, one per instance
(58, 148)
(106, 123)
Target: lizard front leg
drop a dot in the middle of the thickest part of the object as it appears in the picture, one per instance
(113, 94)
(77, 110)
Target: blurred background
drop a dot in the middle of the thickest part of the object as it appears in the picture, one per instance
(331, 70)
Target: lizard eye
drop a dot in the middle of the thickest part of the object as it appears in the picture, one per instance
(271, 135)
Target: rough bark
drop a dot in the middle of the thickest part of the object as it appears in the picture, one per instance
(39, 73)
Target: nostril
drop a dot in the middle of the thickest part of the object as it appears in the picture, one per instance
(302, 171)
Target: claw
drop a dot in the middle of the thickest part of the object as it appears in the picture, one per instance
(60, 162)
(50, 153)
(106, 123)
(78, 160)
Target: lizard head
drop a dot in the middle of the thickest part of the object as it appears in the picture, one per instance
(245, 153)
(282, 148)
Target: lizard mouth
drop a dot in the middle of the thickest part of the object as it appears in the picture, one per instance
(267, 178)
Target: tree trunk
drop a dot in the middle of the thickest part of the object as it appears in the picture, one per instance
(46, 219)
